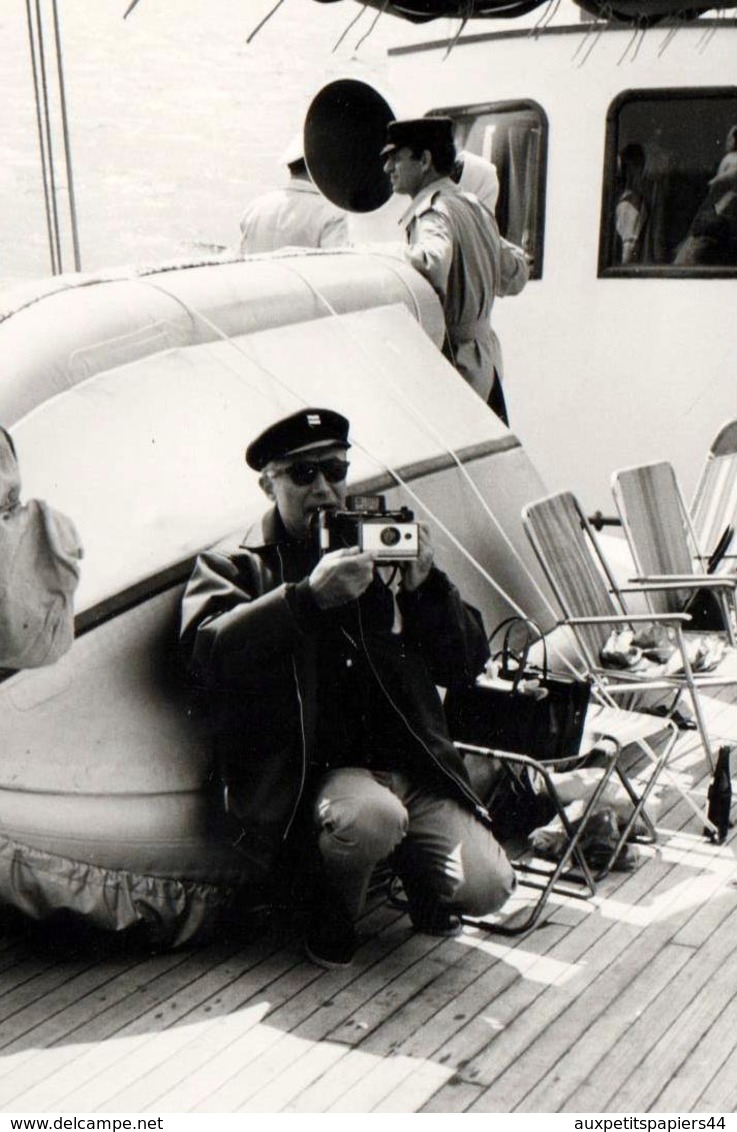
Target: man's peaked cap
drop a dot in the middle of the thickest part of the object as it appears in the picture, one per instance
(302, 431)
(430, 133)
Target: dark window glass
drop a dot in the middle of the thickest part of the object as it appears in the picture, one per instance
(670, 183)
(513, 136)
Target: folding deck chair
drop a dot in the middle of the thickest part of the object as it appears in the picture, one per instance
(713, 508)
(592, 604)
(569, 874)
(662, 539)
(473, 722)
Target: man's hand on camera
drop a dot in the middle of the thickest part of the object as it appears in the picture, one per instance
(415, 572)
(341, 576)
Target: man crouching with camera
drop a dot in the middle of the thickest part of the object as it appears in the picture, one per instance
(320, 663)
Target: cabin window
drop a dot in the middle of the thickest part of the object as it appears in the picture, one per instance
(514, 136)
(669, 203)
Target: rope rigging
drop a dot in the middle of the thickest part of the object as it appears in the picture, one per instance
(41, 74)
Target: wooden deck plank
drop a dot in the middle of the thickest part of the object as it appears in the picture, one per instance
(623, 1060)
(443, 1022)
(709, 972)
(524, 1012)
(456, 1096)
(280, 1092)
(150, 998)
(51, 1018)
(227, 1038)
(388, 1074)
(96, 1068)
(482, 1053)
(605, 1008)
(284, 1070)
(245, 1032)
(403, 967)
(601, 1016)
(608, 990)
(720, 1095)
(413, 1091)
(30, 982)
(706, 1060)
(296, 984)
(441, 1009)
(190, 1069)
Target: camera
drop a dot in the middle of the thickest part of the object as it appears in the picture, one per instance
(393, 536)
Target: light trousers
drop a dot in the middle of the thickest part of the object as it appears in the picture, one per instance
(445, 857)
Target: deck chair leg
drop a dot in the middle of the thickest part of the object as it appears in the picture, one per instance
(639, 801)
(727, 615)
(605, 697)
(693, 691)
(572, 852)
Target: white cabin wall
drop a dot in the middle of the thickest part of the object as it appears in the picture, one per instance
(600, 373)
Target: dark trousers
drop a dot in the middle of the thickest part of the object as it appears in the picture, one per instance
(496, 401)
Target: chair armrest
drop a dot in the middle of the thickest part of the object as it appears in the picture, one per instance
(682, 582)
(630, 619)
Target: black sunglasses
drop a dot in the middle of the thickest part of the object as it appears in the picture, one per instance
(304, 472)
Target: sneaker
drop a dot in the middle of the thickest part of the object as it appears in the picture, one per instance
(331, 938)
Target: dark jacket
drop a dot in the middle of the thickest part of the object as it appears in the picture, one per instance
(250, 632)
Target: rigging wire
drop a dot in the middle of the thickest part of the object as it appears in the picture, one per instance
(41, 142)
(65, 137)
(352, 24)
(456, 37)
(374, 22)
(548, 14)
(262, 22)
(49, 146)
(600, 28)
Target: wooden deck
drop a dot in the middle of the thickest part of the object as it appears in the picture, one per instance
(625, 1003)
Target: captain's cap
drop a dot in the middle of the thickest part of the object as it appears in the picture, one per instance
(304, 431)
(418, 133)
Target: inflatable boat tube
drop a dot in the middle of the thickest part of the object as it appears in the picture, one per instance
(105, 803)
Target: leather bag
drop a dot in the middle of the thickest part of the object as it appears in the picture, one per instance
(526, 710)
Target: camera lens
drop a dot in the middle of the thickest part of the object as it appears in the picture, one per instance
(390, 536)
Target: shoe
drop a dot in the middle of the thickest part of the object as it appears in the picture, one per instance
(600, 840)
(331, 938)
(439, 922)
(682, 721)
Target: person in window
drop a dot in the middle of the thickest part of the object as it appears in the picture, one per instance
(331, 737)
(296, 216)
(712, 237)
(476, 175)
(723, 186)
(454, 241)
(631, 211)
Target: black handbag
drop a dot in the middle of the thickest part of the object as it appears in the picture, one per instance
(707, 614)
(547, 725)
